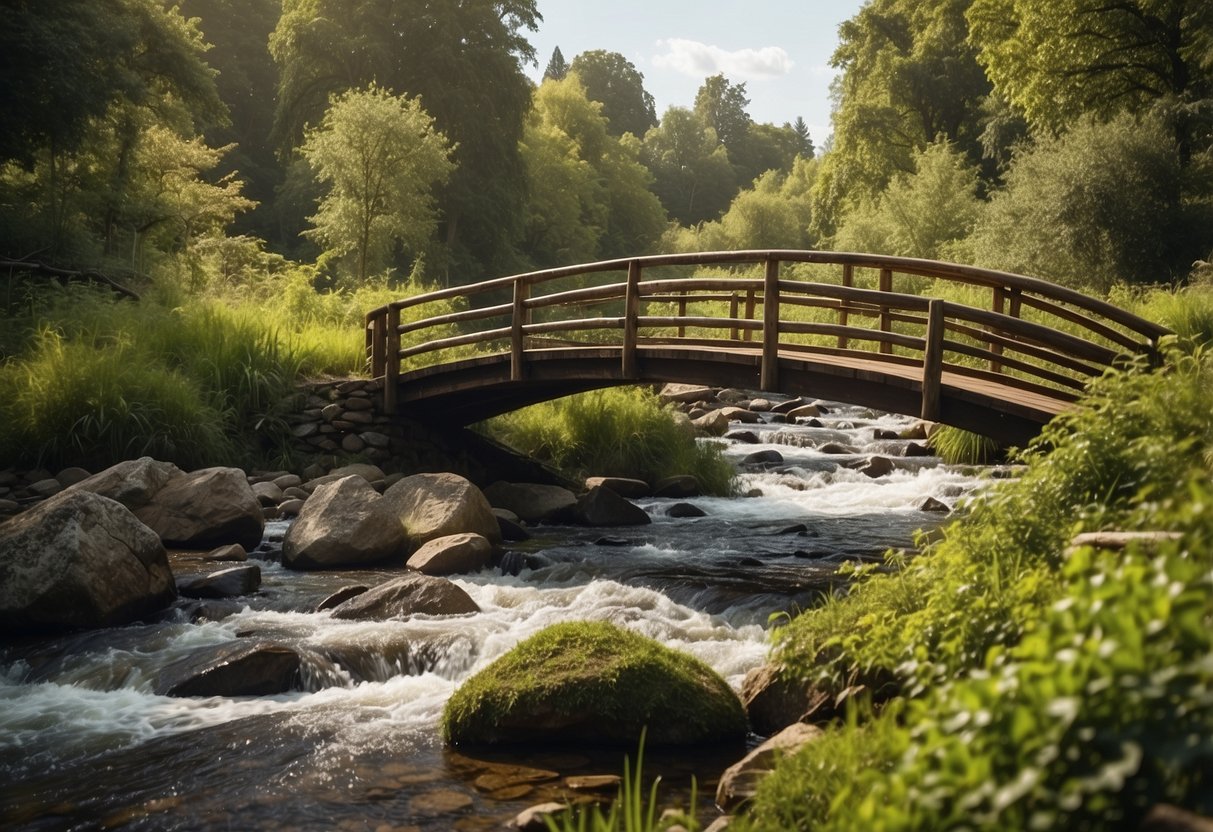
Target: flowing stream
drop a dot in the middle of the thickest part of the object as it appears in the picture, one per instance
(86, 744)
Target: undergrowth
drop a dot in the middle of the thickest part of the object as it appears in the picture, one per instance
(1043, 687)
(616, 432)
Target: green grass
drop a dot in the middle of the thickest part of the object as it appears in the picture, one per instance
(961, 447)
(624, 432)
(1042, 688)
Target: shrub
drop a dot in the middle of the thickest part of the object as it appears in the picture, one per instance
(616, 432)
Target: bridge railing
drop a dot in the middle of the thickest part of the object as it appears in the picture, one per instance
(1030, 333)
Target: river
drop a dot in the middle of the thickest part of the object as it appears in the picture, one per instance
(85, 744)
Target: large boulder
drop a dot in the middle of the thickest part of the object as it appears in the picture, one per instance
(133, 483)
(204, 509)
(226, 583)
(344, 523)
(452, 555)
(407, 595)
(80, 560)
(603, 507)
(435, 505)
(533, 502)
(237, 668)
(592, 682)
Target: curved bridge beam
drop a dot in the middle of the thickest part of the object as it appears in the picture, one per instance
(823, 324)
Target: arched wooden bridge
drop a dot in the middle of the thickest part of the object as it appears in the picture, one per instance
(995, 353)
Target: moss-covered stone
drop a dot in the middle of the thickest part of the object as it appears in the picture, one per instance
(591, 682)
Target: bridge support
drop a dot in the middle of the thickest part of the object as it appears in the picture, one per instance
(769, 373)
(932, 362)
(631, 321)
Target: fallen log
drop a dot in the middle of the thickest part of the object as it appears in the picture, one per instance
(64, 275)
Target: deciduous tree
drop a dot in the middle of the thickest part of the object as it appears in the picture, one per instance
(613, 80)
(379, 156)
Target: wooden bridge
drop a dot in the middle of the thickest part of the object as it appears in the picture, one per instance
(995, 353)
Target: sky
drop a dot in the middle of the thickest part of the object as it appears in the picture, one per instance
(780, 48)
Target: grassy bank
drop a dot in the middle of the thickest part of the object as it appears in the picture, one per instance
(1042, 687)
(624, 432)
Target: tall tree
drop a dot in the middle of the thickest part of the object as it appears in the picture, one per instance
(722, 106)
(378, 155)
(613, 80)
(1055, 60)
(691, 170)
(804, 142)
(463, 60)
(557, 67)
(908, 77)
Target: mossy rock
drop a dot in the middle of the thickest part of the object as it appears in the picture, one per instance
(593, 683)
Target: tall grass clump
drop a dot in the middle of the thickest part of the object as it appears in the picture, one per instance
(615, 432)
(961, 447)
(1044, 686)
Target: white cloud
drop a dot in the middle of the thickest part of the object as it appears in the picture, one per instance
(690, 57)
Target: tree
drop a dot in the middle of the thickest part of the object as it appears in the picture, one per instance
(379, 155)
(613, 80)
(1057, 60)
(691, 171)
(922, 214)
(1099, 204)
(722, 106)
(908, 77)
(804, 142)
(463, 59)
(557, 67)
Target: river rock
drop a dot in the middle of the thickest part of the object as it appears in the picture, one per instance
(836, 449)
(685, 510)
(603, 507)
(773, 702)
(535, 818)
(435, 505)
(267, 493)
(1163, 817)
(532, 502)
(769, 457)
(677, 487)
(740, 414)
(341, 596)
(232, 553)
(80, 560)
(877, 466)
(407, 595)
(44, 488)
(804, 411)
(592, 682)
(454, 554)
(684, 393)
(205, 508)
(713, 423)
(370, 473)
(760, 405)
(71, 476)
(931, 504)
(132, 483)
(743, 437)
(344, 523)
(740, 780)
(226, 583)
(632, 489)
(511, 530)
(236, 668)
(731, 395)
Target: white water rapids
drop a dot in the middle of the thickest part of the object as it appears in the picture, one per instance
(83, 738)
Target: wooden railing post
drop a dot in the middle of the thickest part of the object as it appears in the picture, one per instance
(769, 374)
(733, 332)
(631, 315)
(682, 313)
(1000, 298)
(391, 366)
(519, 318)
(749, 313)
(886, 316)
(848, 280)
(932, 361)
(375, 345)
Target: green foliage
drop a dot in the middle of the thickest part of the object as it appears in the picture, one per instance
(1048, 687)
(557, 67)
(613, 81)
(1100, 204)
(617, 432)
(378, 156)
(463, 60)
(1057, 60)
(94, 381)
(774, 213)
(622, 680)
(1186, 311)
(692, 174)
(962, 447)
(921, 214)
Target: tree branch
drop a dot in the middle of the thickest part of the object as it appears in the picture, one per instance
(64, 275)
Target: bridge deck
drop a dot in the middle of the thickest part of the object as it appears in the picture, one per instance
(472, 389)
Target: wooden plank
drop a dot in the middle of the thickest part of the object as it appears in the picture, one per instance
(458, 317)
(848, 280)
(769, 373)
(378, 337)
(631, 313)
(682, 313)
(1011, 363)
(932, 363)
(749, 311)
(1043, 354)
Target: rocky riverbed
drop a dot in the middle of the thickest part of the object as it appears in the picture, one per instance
(333, 720)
